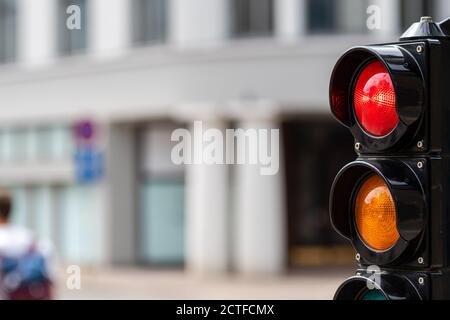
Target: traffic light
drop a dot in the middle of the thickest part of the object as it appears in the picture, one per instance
(391, 203)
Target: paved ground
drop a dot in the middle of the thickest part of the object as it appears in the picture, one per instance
(153, 284)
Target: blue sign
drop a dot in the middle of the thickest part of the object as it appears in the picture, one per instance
(89, 164)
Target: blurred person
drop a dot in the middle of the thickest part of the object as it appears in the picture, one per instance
(24, 263)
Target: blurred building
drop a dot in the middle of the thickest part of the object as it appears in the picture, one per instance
(138, 69)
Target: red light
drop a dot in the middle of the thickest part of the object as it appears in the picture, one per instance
(374, 100)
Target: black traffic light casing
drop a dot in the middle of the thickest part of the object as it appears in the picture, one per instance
(394, 285)
(413, 160)
(408, 69)
(411, 208)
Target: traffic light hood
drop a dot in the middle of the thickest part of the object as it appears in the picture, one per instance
(407, 80)
(408, 196)
(390, 287)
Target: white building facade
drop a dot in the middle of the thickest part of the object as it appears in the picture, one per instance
(139, 69)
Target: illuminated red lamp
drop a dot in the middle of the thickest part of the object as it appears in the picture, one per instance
(374, 100)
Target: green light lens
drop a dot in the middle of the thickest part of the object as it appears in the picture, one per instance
(373, 295)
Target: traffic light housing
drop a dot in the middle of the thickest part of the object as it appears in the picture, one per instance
(391, 203)
(404, 67)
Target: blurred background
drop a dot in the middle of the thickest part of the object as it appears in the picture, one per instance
(85, 125)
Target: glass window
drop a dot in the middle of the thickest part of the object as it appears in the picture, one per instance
(308, 143)
(252, 17)
(337, 16)
(79, 224)
(71, 40)
(7, 30)
(149, 21)
(44, 143)
(42, 214)
(17, 144)
(309, 178)
(19, 214)
(162, 222)
(161, 197)
(38, 144)
(62, 142)
(3, 145)
(321, 15)
(12, 145)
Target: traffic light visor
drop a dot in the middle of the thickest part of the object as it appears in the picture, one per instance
(391, 286)
(380, 206)
(378, 93)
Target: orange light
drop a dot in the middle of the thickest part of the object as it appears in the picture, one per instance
(375, 214)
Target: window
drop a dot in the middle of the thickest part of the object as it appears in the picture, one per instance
(52, 143)
(337, 16)
(161, 221)
(41, 207)
(17, 145)
(252, 17)
(321, 15)
(20, 208)
(79, 224)
(7, 30)
(71, 41)
(36, 144)
(315, 151)
(161, 198)
(62, 143)
(149, 21)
